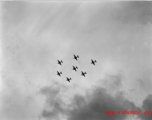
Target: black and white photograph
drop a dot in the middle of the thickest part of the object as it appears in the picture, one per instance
(75, 60)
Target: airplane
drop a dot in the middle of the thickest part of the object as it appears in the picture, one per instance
(68, 79)
(60, 62)
(93, 62)
(59, 73)
(75, 68)
(76, 57)
(83, 73)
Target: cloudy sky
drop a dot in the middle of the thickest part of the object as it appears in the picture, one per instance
(37, 34)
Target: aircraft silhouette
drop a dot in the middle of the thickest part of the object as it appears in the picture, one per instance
(75, 68)
(59, 73)
(93, 62)
(76, 57)
(60, 62)
(68, 79)
(83, 73)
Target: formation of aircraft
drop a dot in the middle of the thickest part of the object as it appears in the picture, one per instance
(74, 67)
(76, 57)
(93, 62)
(68, 79)
(59, 73)
(83, 73)
(60, 62)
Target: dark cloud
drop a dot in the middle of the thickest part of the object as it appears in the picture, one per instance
(147, 103)
(147, 106)
(57, 108)
(92, 106)
(54, 104)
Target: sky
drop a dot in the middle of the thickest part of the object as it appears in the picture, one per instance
(37, 34)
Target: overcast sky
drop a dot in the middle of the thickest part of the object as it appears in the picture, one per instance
(37, 34)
